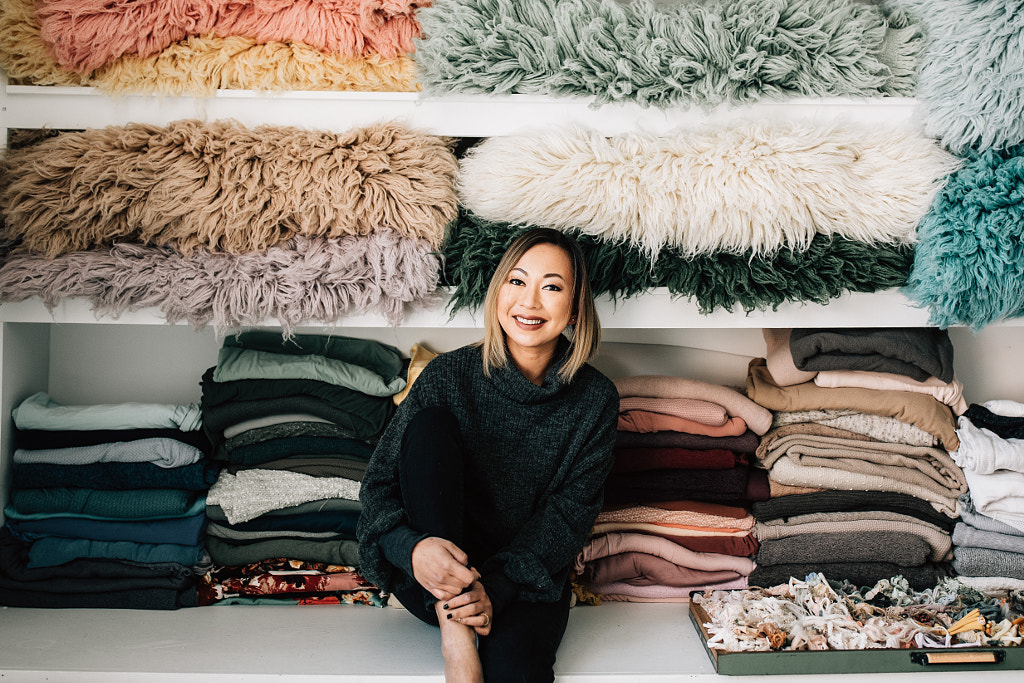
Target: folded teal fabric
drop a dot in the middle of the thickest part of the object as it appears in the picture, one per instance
(52, 551)
(92, 504)
(238, 364)
(40, 411)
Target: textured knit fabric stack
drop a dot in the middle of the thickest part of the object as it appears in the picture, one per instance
(293, 421)
(219, 224)
(988, 541)
(676, 517)
(197, 46)
(748, 214)
(107, 506)
(863, 485)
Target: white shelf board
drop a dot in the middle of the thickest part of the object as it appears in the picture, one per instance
(654, 309)
(459, 116)
(609, 643)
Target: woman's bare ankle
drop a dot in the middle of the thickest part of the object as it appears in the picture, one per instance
(458, 645)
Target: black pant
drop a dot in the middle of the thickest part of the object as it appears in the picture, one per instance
(525, 636)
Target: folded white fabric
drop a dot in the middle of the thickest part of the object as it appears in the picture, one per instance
(984, 451)
(251, 493)
(999, 495)
(1005, 407)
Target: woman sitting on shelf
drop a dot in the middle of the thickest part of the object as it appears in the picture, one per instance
(488, 480)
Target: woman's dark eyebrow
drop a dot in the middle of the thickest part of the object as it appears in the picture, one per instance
(558, 275)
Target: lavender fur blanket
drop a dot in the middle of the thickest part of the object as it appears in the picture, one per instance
(302, 280)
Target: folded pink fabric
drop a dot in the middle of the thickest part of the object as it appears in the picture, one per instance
(780, 359)
(694, 409)
(641, 569)
(619, 543)
(647, 422)
(626, 592)
(950, 393)
(86, 34)
(758, 418)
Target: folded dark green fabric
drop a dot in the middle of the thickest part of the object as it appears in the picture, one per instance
(828, 268)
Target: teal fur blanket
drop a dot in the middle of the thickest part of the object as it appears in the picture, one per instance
(824, 271)
(668, 54)
(969, 264)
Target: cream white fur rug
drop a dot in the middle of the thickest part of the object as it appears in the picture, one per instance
(758, 186)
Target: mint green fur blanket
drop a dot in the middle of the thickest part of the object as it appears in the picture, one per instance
(824, 271)
(668, 54)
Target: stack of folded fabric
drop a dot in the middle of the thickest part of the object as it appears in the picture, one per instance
(675, 517)
(193, 47)
(294, 421)
(107, 506)
(988, 540)
(863, 486)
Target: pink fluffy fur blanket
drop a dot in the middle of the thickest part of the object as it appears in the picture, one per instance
(86, 34)
(224, 187)
(304, 280)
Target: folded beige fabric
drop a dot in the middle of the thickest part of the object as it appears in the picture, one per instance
(777, 490)
(878, 427)
(917, 409)
(651, 515)
(950, 393)
(736, 404)
(853, 522)
(780, 360)
(661, 530)
(694, 409)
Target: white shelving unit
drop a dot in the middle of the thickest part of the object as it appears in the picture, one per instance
(71, 353)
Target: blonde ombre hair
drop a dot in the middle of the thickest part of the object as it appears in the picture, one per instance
(586, 331)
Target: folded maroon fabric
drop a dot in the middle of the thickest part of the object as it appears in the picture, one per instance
(641, 459)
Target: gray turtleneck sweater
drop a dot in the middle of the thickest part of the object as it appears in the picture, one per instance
(537, 460)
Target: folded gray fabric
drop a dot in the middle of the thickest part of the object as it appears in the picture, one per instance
(857, 522)
(269, 431)
(915, 352)
(230, 533)
(970, 515)
(965, 534)
(160, 452)
(902, 548)
(971, 561)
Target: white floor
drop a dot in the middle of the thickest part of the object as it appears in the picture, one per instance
(612, 642)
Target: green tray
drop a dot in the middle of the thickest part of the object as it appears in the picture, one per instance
(855, 661)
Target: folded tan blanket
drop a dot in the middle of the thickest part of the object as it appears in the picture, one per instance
(917, 409)
(661, 386)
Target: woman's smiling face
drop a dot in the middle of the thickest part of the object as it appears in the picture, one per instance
(535, 302)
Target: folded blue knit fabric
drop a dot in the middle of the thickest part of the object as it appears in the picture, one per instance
(969, 260)
(667, 54)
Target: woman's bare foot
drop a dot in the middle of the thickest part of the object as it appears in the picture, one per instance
(458, 645)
